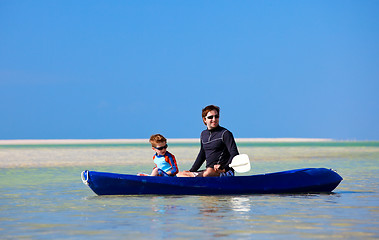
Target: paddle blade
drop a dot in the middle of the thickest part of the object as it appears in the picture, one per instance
(240, 163)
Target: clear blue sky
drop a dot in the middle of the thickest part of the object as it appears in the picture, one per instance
(129, 69)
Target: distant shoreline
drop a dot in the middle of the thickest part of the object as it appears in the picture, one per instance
(131, 141)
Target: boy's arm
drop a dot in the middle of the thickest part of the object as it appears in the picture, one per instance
(173, 164)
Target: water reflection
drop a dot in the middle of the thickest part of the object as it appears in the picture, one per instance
(240, 204)
(163, 205)
(206, 206)
(211, 205)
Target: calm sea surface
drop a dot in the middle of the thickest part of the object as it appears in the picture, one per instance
(43, 197)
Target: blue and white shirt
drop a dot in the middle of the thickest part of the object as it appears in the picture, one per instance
(166, 163)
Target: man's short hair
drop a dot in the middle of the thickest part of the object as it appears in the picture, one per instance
(209, 108)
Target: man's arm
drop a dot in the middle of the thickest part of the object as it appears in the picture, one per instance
(231, 145)
(199, 160)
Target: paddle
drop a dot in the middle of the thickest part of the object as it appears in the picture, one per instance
(240, 163)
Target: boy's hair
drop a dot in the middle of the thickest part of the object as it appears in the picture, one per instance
(157, 138)
(209, 108)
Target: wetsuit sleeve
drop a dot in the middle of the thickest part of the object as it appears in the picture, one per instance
(231, 145)
(199, 160)
(154, 162)
(174, 166)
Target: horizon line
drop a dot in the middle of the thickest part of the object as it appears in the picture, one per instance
(143, 140)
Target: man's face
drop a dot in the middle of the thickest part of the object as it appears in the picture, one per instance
(211, 119)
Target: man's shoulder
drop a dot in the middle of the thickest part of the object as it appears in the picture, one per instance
(222, 129)
(225, 133)
(204, 132)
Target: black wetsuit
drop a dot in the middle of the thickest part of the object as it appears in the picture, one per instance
(217, 147)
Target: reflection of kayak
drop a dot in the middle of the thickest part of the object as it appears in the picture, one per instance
(293, 181)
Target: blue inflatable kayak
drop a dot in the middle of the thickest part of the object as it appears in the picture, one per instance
(308, 180)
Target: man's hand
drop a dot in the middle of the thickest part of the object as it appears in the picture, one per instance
(217, 168)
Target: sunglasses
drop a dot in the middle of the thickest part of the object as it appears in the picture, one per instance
(212, 116)
(161, 148)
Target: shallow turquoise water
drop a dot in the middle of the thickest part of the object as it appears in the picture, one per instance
(52, 202)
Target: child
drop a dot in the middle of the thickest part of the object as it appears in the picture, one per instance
(164, 161)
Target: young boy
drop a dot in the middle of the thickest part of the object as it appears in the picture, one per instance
(164, 161)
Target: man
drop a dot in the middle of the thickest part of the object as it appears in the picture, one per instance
(218, 148)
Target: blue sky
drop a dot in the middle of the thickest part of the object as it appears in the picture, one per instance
(129, 69)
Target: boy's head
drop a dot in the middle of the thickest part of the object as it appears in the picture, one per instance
(158, 144)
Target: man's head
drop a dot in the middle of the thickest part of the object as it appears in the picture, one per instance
(211, 115)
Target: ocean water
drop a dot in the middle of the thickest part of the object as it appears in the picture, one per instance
(43, 197)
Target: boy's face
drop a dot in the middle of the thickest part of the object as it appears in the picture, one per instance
(160, 148)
